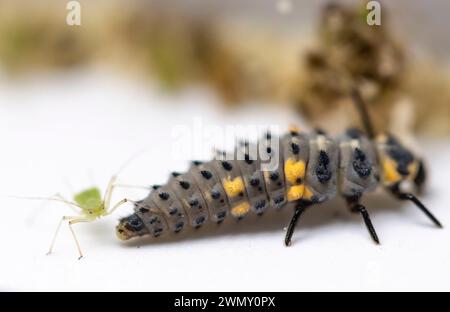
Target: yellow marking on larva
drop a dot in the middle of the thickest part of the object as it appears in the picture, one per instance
(233, 187)
(294, 170)
(241, 209)
(390, 172)
(295, 192)
(308, 194)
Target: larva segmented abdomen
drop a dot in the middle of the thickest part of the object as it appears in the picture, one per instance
(234, 184)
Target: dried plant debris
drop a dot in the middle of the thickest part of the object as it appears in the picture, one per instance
(401, 92)
(350, 54)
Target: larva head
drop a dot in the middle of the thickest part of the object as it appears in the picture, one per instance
(398, 163)
(129, 227)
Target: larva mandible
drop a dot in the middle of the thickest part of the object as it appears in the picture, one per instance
(313, 169)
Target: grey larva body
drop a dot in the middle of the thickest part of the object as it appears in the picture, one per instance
(311, 169)
(234, 185)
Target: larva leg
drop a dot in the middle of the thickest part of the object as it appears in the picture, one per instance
(74, 221)
(407, 196)
(299, 210)
(64, 218)
(356, 207)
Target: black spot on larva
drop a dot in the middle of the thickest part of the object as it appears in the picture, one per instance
(278, 200)
(361, 164)
(356, 193)
(227, 166)
(255, 182)
(197, 162)
(157, 232)
(393, 141)
(260, 205)
(215, 194)
(175, 174)
(293, 132)
(179, 226)
(244, 143)
(164, 195)
(222, 201)
(269, 150)
(268, 135)
(173, 211)
(323, 171)
(354, 133)
(315, 199)
(185, 185)
(295, 148)
(247, 159)
(153, 220)
(200, 220)
(320, 131)
(403, 157)
(193, 202)
(143, 210)
(155, 187)
(206, 174)
(299, 181)
(274, 176)
(260, 189)
(279, 184)
(241, 194)
(221, 215)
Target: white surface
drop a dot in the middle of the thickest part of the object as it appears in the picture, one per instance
(64, 127)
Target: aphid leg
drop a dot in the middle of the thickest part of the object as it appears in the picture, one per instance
(356, 207)
(362, 109)
(407, 196)
(120, 203)
(109, 191)
(74, 221)
(50, 250)
(299, 210)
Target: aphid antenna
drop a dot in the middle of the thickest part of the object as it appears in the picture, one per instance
(57, 197)
(121, 185)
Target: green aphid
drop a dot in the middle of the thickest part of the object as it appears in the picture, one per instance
(91, 206)
(90, 201)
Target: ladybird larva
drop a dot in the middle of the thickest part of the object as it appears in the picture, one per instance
(312, 168)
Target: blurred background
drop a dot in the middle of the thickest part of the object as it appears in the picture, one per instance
(300, 54)
(77, 101)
